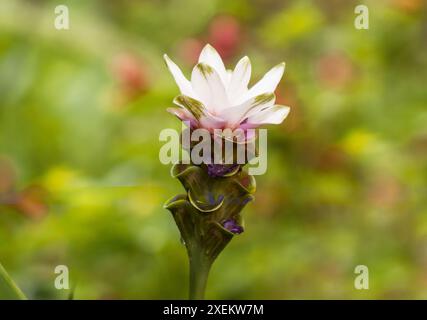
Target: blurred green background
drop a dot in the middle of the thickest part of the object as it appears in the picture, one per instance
(81, 183)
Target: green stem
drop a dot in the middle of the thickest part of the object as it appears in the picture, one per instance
(200, 266)
(11, 284)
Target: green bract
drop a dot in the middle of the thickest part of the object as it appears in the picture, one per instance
(209, 202)
(200, 215)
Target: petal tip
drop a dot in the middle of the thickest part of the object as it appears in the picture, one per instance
(246, 59)
(166, 59)
(281, 65)
(208, 46)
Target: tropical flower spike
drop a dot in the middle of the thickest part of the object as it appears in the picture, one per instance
(208, 214)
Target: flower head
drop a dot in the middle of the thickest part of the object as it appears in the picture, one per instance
(217, 98)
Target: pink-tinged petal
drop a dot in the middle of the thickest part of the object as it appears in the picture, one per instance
(183, 115)
(183, 84)
(212, 122)
(209, 88)
(199, 112)
(236, 114)
(272, 115)
(193, 106)
(250, 134)
(268, 83)
(212, 58)
(240, 79)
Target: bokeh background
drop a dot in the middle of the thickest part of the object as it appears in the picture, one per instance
(81, 183)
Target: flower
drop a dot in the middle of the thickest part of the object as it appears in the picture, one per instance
(232, 226)
(220, 170)
(217, 98)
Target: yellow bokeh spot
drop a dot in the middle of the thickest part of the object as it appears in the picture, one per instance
(145, 200)
(358, 142)
(60, 178)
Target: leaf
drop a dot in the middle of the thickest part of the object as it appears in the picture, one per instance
(8, 287)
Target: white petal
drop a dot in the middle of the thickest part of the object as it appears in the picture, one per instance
(272, 115)
(236, 114)
(269, 82)
(209, 88)
(183, 115)
(195, 107)
(199, 112)
(229, 76)
(212, 122)
(212, 58)
(240, 79)
(183, 84)
(180, 113)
